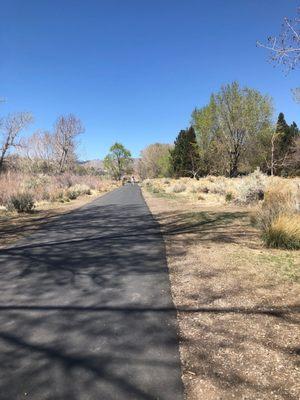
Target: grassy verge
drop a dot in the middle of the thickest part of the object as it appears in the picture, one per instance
(158, 193)
(280, 265)
(236, 300)
(275, 199)
(14, 226)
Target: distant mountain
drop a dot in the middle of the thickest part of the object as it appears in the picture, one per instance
(96, 164)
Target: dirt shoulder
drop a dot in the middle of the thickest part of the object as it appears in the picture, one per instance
(14, 226)
(237, 302)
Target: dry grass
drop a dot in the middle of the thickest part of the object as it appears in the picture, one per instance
(236, 300)
(14, 226)
(219, 190)
(51, 195)
(272, 197)
(278, 217)
(49, 188)
(284, 232)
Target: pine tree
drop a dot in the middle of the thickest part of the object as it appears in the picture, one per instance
(287, 133)
(185, 155)
(294, 131)
(281, 125)
(285, 137)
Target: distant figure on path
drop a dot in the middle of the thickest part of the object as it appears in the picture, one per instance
(132, 180)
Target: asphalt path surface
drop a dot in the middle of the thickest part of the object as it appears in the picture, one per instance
(85, 308)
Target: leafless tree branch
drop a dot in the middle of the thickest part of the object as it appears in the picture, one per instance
(10, 130)
(285, 49)
(67, 128)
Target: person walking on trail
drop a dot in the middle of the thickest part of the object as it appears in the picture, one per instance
(132, 180)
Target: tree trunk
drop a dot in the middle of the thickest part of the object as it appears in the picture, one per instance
(234, 157)
(62, 161)
(272, 154)
(3, 152)
(1, 162)
(233, 173)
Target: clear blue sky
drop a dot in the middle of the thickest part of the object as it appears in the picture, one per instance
(133, 70)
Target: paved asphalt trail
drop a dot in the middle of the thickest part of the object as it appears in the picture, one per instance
(85, 308)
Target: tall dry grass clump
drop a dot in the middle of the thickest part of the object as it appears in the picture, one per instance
(278, 217)
(284, 232)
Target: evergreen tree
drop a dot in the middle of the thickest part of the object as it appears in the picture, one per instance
(294, 129)
(285, 140)
(281, 125)
(287, 134)
(294, 132)
(185, 155)
(284, 132)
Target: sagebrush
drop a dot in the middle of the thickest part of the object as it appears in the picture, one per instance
(48, 188)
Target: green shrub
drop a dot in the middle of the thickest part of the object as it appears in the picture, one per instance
(154, 189)
(77, 190)
(229, 197)
(35, 182)
(21, 202)
(72, 194)
(57, 195)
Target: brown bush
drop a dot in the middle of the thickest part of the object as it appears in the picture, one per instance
(284, 232)
(49, 187)
(279, 219)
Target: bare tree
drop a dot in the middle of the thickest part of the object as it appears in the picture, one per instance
(155, 161)
(276, 162)
(38, 150)
(67, 129)
(11, 127)
(285, 48)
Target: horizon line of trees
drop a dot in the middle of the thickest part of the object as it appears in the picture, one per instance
(233, 134)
